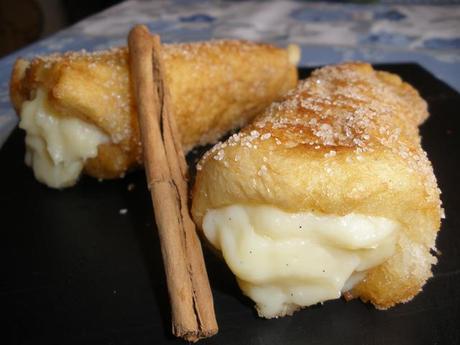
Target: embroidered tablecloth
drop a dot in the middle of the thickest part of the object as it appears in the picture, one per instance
(326, 32)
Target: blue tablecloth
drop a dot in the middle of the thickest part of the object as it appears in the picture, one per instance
(326, 32)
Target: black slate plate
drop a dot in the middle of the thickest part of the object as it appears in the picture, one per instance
(73, 270)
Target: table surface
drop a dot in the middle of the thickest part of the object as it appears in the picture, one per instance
(327, 33)
(74, 270)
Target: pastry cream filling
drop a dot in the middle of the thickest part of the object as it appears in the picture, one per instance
(57, 146)
(285, 261)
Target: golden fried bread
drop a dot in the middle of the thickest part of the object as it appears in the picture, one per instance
(215, 86)
(341, 152)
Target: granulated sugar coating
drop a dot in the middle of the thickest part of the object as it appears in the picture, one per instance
(344, 142)
(342, 109)
(215, 87)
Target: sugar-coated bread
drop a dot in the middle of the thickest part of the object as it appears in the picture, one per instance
(346, 140)
(215, 86)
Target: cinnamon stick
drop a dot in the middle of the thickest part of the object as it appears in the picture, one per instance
(192, 305)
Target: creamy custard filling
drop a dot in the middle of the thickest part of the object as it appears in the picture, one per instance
(285, 261)
(56, 146)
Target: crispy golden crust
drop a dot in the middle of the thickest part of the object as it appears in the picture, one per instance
(346, 140)
(215, 86)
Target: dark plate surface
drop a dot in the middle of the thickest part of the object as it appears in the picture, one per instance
(73, 270)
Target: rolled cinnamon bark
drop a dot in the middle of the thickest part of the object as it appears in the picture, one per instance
(190, 294)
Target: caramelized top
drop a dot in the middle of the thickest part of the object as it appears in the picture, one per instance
(344, 109)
